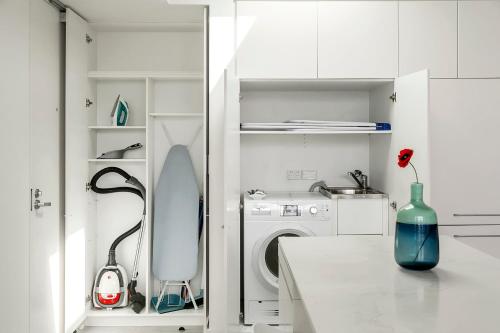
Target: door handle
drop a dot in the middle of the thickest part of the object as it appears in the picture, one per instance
(38, 204)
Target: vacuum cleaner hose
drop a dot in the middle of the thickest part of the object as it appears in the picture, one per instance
(141, 193)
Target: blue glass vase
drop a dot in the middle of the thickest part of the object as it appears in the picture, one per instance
(416, 243)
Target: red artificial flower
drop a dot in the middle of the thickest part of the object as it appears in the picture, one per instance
(404, 157)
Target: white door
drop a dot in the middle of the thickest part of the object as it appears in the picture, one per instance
(276, 39)
(478, 36)
(464, 119)
(408, 117)
(77, 233)
(46, 170)
(428, 38)
(410, 123)
(14, 170)
(232, 194)
(357, 39)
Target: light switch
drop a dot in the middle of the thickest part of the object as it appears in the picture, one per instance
(293, 174)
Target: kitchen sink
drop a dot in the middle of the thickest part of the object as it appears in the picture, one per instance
(351, 191)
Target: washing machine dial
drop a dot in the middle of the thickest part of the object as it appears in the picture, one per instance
(313, 210)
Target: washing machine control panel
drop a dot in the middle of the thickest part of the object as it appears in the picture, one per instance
(315, 208)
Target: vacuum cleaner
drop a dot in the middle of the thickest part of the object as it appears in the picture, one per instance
(110, 290)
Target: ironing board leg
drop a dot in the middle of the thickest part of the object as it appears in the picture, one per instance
(191, 295)
(162, 294)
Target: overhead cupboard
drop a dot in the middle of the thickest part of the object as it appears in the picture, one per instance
(159, 72)
(311, 39)
(367, 39)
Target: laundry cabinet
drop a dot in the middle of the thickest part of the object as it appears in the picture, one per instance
(159, 71)
(478, 35)
(357, 39)
(465, 178)
(428, 33)
(265, 158)
(317, 39)
(276, 39)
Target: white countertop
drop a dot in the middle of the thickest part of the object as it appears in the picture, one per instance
(352, 284)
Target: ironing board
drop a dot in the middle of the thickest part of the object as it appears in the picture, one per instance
(176, 221)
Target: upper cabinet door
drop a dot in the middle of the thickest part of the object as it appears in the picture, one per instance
(357, 39)
(77, 90)
(478, 39)
(276, 39)
(428, 38)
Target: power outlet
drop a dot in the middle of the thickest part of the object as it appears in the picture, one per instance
(294, 174)
(309, 174)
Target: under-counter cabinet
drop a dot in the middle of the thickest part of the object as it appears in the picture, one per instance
(276, 39)
(485, 238)
(362, 216)
(159, 71)
(428, 37)
(358, 39)
(478, 36)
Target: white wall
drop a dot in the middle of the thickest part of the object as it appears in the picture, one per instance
(265, 159)
(158, 51)
(14, 172)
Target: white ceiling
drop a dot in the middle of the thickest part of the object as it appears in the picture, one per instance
(135, 11)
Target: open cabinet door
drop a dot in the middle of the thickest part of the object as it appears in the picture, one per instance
(76, 170)
(410, 130)
(232, 196)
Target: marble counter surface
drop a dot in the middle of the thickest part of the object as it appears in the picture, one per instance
(352, 284)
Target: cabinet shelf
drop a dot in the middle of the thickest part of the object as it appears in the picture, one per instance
(176, 115)
(116, 128)
(140, 75)
(126, 317)
(117, 160)
(307, 132)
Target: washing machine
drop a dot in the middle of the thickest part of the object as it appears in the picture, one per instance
(278, 214)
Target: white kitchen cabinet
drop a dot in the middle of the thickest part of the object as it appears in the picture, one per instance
(166, 97)
(428, 37)
(478, 36)
(276, 39)
(361, 216)
(357, 39)
(485, 238)
(464, 133)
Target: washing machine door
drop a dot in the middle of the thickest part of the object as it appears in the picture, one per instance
(265, 253)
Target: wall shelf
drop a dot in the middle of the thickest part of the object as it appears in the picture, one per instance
(142, 75)
(126, 317)
(307, 132)
(118, 160)
(117, 128)
(176, 115)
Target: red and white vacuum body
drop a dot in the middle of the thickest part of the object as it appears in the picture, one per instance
(110, 288)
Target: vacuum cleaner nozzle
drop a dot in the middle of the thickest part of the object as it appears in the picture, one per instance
(137, 300)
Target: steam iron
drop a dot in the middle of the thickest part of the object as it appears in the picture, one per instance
(119, 114)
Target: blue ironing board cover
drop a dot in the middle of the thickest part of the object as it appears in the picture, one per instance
(175, 224)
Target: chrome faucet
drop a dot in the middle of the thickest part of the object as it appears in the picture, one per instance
(360, 178)
(321, 183)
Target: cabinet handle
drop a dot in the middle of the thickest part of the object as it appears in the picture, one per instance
(475, 215)
(476, 236)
